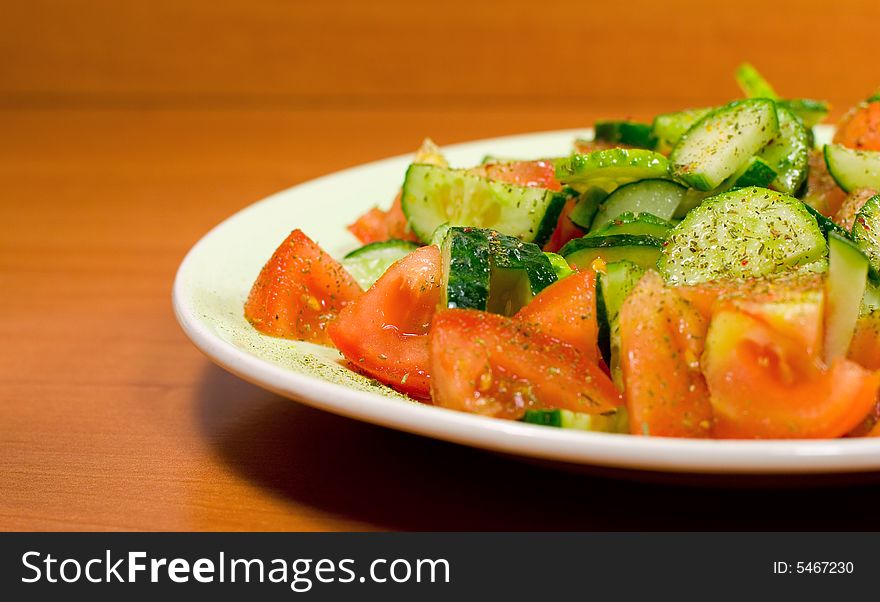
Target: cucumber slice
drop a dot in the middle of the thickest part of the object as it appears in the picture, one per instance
(746, 233)
(637, 224)
(844, 289)
(788, 153)
(630, 133)
(435, 195)
(614, 286)
(641, 250)
(866, 232)
(612, 422)
(483, 269)
(853, 169)
(559, 265)
(608, 169)
(871, 299)
(657, 197)
(753, 83)
(668, 128)
(369, 262)
(586, 207)
(723, 141)
(757, 172)
(810, 112)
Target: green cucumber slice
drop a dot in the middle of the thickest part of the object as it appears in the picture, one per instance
(638, 224)
(866, 232)
(614, 286)
(746, 233)
(757, 172)
(753, 83)
(611, 422)
(657, 197)
(630, 133)
(559, 265)
(608, 169)
(483, 269)
(369, 262)
(788, 153)
(844, 289)
(810, 112)
(641, 250)
(723, 141)
(871, 299)
(436, 195)
(827, 226)
(586, 207)
(853, 169)
(668, 128)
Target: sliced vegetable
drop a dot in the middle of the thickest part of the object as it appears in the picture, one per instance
(495, 366)
(608, 169)
(845, 287)
(723, 141)
(753, 83)
(788, 153)
(810, 112)
(629, 133)
(641, 250)
(756, 172)
(866, 231)
(865, 346)
(855, 200)
(299, 292)
(370, 261)
(747, 233)
(826, 225)
(559, 265)
(637, 224)
(587, 205)
(668, 128)
(765, 385)
(434, 195)
(612, 422)
(822, 192)
(853, 169)
(384, 334)
(661, 341)
(859, 129)
(566, 310)
(658, 197)
(615, 284)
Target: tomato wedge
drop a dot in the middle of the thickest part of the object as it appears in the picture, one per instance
(377, 225)
(566, 310)
(865, 346)
(565, 228)
(495, 366)
(536, 174)
(385, 332)
(299, 291)
(860, 127)
(661, 340)
(764, 384)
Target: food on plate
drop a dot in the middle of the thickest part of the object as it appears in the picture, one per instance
(711, 274)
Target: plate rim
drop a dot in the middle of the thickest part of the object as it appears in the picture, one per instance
(657, 454)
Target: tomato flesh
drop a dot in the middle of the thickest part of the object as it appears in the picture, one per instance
(860, 127)
(764, 384)
(299, 291)
(495, 366)
(566, 310)
(661, 340)
(377, 225)
(385, 332)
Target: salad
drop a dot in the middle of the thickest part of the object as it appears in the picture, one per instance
(712, 274)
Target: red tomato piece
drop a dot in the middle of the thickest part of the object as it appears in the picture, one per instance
(566, 310)
(377, 225)
(865, 346)
(822, 191)
(661, 341)
(565, 228)
(765, 385)
(495, 366)
(860, 127)
(299, 291)
(385, 333)
(535, 174)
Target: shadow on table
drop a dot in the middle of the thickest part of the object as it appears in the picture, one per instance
(398, 481)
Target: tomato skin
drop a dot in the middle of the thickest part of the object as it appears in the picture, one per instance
(385, 333)
(764, 385)
(534, 174)
(566, 310)
(495, 366)
(855, 200)
(299, 292)
(565, 228)
(859, 128)
(865, 346)
(378, 226)
(822, 191)
(661, 340)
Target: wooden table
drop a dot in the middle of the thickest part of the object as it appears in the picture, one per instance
(110, 419)
(127, 130)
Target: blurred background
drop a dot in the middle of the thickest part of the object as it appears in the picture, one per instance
(129, 128)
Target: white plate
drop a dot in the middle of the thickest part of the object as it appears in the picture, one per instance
(214, 279)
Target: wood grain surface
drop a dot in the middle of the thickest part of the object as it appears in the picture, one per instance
(127, 130)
